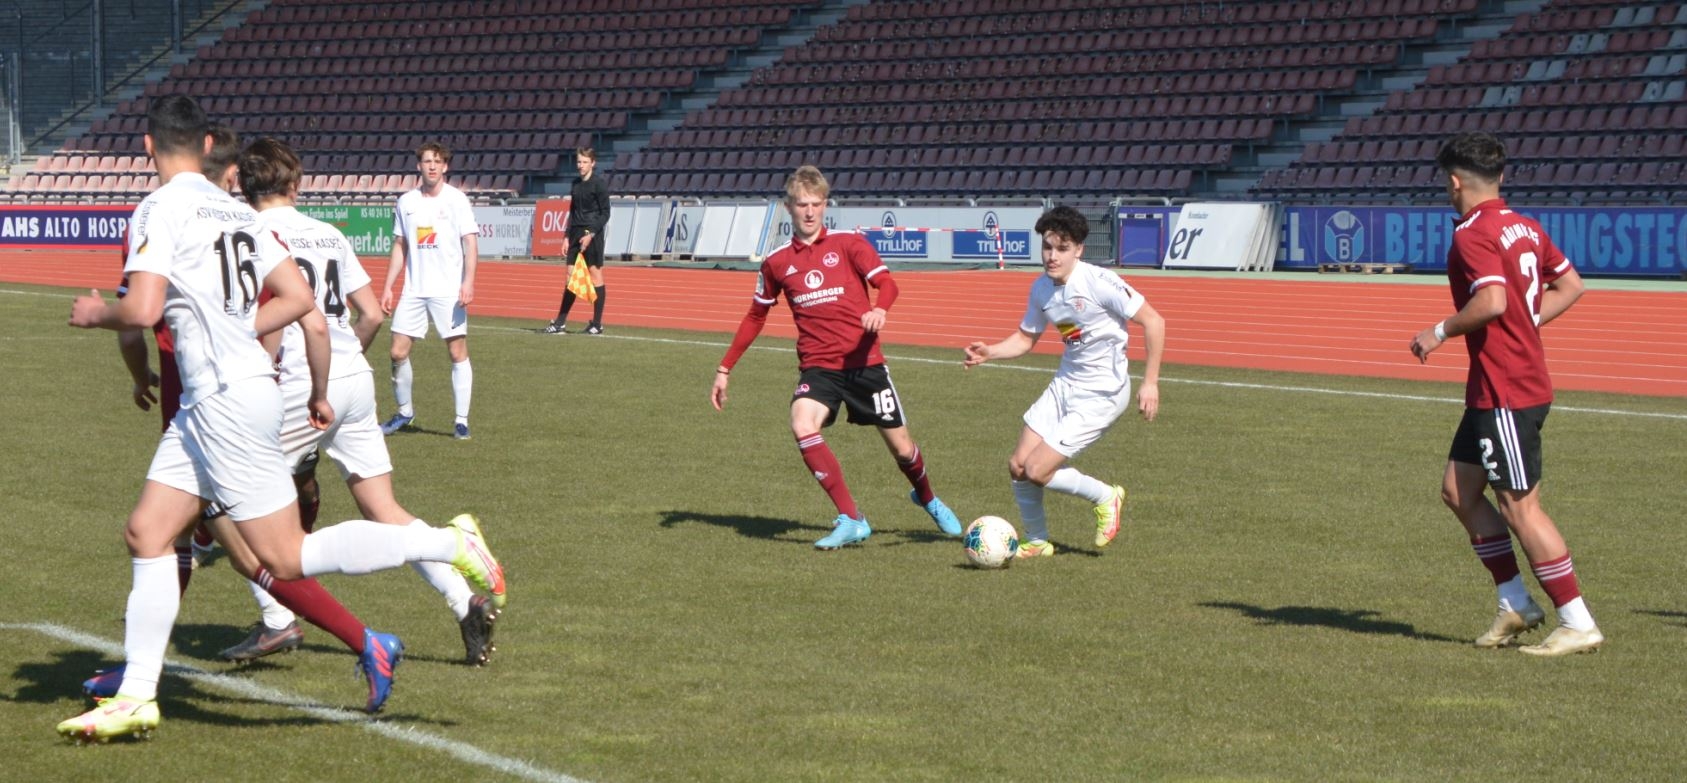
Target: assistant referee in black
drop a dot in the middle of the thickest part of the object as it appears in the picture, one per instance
(588, 214)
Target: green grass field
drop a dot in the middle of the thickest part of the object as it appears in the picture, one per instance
(1289, 600)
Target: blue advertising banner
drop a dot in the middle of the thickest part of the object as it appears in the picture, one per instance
(1143, 232)
(1616, 241)
(981, 246)
(896, 242)
(67, 226)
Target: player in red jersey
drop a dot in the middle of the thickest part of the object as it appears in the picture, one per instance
(825, 276)
(1508, 279)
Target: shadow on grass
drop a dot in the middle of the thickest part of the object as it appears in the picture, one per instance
(1355, 620)
(203, 642)
(1667, 614)
(1060, 550)
(182, 698)
(790, 531)
(412, 429)
(768, 528)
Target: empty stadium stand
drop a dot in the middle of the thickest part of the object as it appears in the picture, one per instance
(1282, 99)
(1587, 93)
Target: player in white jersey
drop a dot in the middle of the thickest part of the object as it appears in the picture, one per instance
(197, 259)
(269, 177)
(1089, 306)
(436, 243)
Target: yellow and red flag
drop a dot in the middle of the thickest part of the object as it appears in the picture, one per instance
(580, 280)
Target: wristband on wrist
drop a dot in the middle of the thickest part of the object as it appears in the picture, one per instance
(723, 371)
(1441, 331)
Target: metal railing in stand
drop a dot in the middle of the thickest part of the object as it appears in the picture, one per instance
(102, 89)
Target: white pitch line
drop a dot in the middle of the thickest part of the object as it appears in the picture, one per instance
(1191, 381)
(246, 689)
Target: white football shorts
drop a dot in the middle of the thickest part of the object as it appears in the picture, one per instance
(1069, 419)
(227, 450)
(353, 441)
(411, 315)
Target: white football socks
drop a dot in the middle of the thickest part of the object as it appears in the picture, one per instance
(445, 579)
(1029, 496)
(402, 383)
(154, 599)
(1514, 595)
(1071, 482)
(276, 616)
(1575, 616)
(361, 547)
(462, 388)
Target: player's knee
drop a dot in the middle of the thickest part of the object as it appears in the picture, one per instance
(148, 538)
(1450, 496)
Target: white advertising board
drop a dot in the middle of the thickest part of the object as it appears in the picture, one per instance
(505, 231)
(1223, 236)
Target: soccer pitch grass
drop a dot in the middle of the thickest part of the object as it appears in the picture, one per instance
(1288, 600)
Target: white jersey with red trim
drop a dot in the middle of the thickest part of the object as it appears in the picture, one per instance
(208, 247)
(1089, 311)
(325, 257)
(432, 229)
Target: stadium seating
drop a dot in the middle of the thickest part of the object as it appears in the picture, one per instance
(952, 98)
(1588, 95)
(511, 85)
(1080, 97)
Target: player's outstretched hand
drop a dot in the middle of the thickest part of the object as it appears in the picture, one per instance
(1148, 400)
(873, 320)
(321, 414)
(976, 353)
(717, 392)
(1424, 344)
(86, 312)
(144, 398)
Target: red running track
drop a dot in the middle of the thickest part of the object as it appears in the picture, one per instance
(1612, 341)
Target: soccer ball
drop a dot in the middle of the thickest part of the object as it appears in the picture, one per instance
(991, 542)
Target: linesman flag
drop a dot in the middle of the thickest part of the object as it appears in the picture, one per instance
(580, 280)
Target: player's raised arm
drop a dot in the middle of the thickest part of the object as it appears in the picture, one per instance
(1011, 347)
(1485, 305)
(748, 330)
(292, 300)
(873, 320)
(139, 309)
(1560, 294)
(131, 344)
(370, 315)
(1154, 341)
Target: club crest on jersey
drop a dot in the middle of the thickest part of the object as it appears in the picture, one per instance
(426, 237)
(830, 259)
(814, 279)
